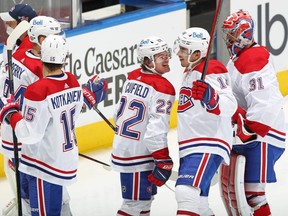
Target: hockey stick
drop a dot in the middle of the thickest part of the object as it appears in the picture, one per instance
(208, 54)
(107, 167)
(22, 27)
(173, 176)
(104, 118)
(92, 159)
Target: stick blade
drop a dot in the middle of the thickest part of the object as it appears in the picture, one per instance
(22, 27)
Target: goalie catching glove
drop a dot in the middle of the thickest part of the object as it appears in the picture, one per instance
(7, 107)
(163, 167)
(243, 132)
(94, 91)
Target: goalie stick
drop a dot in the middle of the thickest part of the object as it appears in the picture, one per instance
(21, 28)
(208, 55)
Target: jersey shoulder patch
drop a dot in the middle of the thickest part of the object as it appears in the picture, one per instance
(158, 82)
(252, 59)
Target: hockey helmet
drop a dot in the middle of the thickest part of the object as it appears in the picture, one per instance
(43, 25)
(150, 46)
(193, 39)
(54, 49)
(238, 31)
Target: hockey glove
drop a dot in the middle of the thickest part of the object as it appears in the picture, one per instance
(204, 92)
(7, 106)
(243, 132)
(240, 111)
(94, 91)
(161, 173)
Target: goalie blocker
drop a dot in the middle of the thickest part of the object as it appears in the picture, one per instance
(231, 183)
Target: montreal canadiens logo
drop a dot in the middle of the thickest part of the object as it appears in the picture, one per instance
(185, 99)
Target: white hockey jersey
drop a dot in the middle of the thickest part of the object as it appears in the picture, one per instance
(256, 89)
(25, 44)
(142, 121)
(49, 148)
(200, 131)
(27, 68)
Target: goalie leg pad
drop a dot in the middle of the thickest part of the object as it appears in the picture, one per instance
(232, 187)
(255, 193)
(263, 210)
(224, 188)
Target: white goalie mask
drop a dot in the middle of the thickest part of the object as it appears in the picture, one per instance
(44, 25)
(193, 39)
(54, 49)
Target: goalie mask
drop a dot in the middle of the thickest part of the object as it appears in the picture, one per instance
(238, 31)
(43, 25)
(54, 49)
(193, 39)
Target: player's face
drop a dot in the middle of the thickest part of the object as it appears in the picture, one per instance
(183, 56)
(161, 61)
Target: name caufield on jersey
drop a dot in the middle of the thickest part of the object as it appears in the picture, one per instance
(137, 89)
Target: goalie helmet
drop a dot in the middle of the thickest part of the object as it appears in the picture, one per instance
(43, 25)
(238, 31)
(150, 46)
(193, 39)
(54, 49)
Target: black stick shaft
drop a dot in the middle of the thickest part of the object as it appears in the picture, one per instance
(208, 55)
(104, 118)
(15, 141)
(92, 159)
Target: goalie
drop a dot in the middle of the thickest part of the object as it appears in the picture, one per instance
(259, 118)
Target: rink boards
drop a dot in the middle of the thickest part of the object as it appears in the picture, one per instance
(108, 48)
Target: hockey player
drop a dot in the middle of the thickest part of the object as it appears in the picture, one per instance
(204, 122)
(260, 117)
(17, 14)
(26, 70)
(140, 151)
(49, 154)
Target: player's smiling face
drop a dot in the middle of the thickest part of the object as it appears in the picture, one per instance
(183, 56)
(161, 61)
